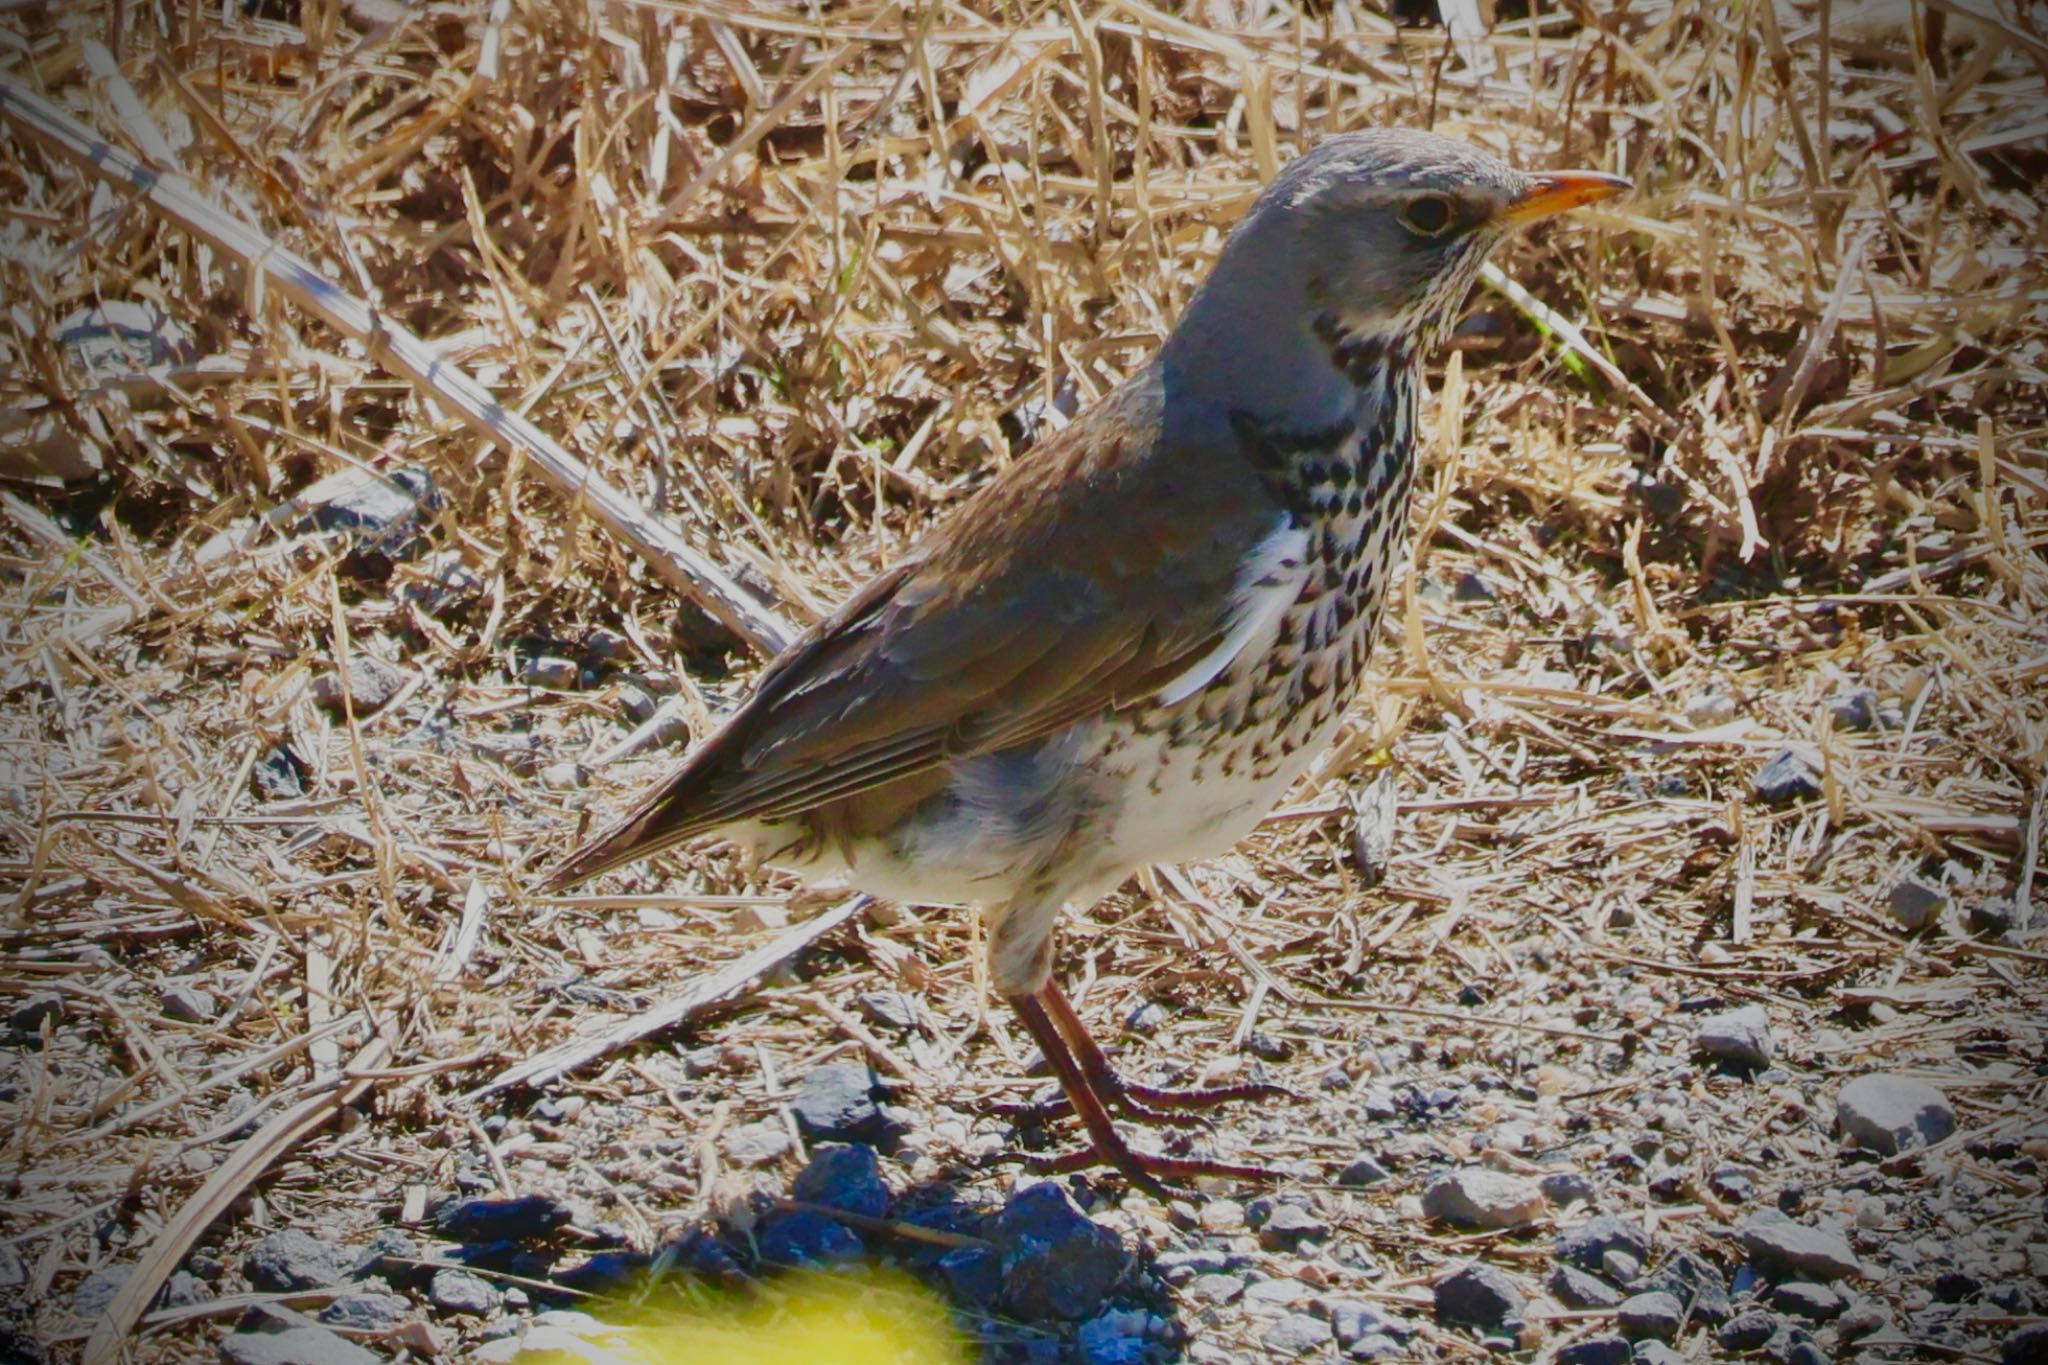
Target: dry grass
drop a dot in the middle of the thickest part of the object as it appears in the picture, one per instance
(794, 283)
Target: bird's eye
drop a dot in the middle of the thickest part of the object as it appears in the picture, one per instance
(1429, 216)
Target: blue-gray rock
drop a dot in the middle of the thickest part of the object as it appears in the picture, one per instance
(1216, 1287)
(13, 1270)
(379, 511)
(1915, 904)
(529, 1218)
(290, 1260)
(973, 1276)
(1739, 1037)
(294, 1346)
(1116, 1337)
(891, 1009)
(1803, 1300)
(1596, 1351)
(19, 1347)
(1857, 708)
(1478, 1296)
(188, 1003)
(1893, 1114)
(458, 1291)
(1375, 1346)
(90, 1299)
(1574, 1288)
(847, 1178)
(372, 683)
(182, 1290)
(1620, 1267)
(1652, 1352)
(1296, 1334)
(1056, 1262)
(1787, 777)
(366, 1311)
(1289, 1226)
(1355, 1319)
(1566, 1187)
(1655, 1315)
(1701, 1288)
(802, 1238)
(836, 1103)
(1792, 1250)
(1178, 1267)
(1747, 1330)
(1146, 1017)
(1584, 1245)
(392, 1256)
(1791, 1345)
(2026, 1345)
(1362, 1173)
(1865, 1316)
(1734, 1183)
(27, 1019)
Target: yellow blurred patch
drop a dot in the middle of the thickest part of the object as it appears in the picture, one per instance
(862, 1317)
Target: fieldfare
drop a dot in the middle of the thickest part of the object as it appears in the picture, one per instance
(1125, 648)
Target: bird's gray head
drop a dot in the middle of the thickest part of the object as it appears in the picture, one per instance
(1371, 235)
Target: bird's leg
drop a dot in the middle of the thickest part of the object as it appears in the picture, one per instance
(1143, 1169)
(1143, 1102)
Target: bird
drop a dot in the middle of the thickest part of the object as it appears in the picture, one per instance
(1124, 648)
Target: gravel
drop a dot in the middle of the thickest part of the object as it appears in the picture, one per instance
(1783, 1247)
(1478, 1296)
(1891, 1114)
(293, 1260)
(1056, 1263)
(1739, 1037)
(1480, 1198)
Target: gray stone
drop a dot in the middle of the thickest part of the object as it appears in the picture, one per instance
(188, 1003)
(1619, 1266)
(1862, 1318)
(378, 510)
(182, 1290)
(1116, 1337)
(1574, 1288)
(1816, 1302)
(1478, 1296)
(1747, 1330)
(527, 1218)
(294, 1346)
(293, 1260)
(1584, 1245)
(1696, 1284)
(1354, 1319)
(1736, 1184)
(1596, 1351)
(973, 1275)
(1740, 1037)
(847, 1178)
(1787, 777)
(2027, 1345)
(1857, 708)
(1564, 1188)
(1655, 1315)
(1652, 1352)
(891, 1009)
(800, 1237)
(372, 683)
(1915, 904)
(1375, 1346)
(1056, 1263)
(1477, 1197)
(458, 1291)
(1363, 1173)
(757, 1144)
(549, 671)
(1289, 1226)
(1892, 1114)
(1215, 1288)
(30, 1017)
(90, 1299)
(366, 1311)
(836, 1102)
(1784, 1248)
(121, 336)
(13, 1270)
(1296, 1334)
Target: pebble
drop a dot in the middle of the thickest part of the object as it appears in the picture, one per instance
(1791, 1345)
(1479, 1296)
(2026, 1345)
(1362, 1173)
(1477, 1197)
(1801, 1299)
(1562, 1188)
(292, 1260)
(372, 683)
(1747, 1330)
(277, 775)
(1857, 708)
(1783, 1247)
(294, 1346)
(1653, 1315)
(97, 1290)
(1915, 904)
(365, 1311)
(757, 1144)
(1279, 1292)
(182, 1290)
(1056, 1262)
(1221, 1216)
(1656, 1353)
(1787, 777)
(188, 1003)
(1619, 1266)
(1739, 1037)
(1146, 1017)
(13, 1270)
(378, 510)
(1353, 1320)
(836, 1102)
(1696, 1283)
(1736, 1184)
(802, 1238)
(1891, 1114)
(1862, 1318)
(1596, 1351)
(441, 582)
(1574, 1288)
(1116, 1337)
(891, 1009)
(458, 1291)
(1289, 1226)
(28, 1019)
(1215, 1288)
(529, 1218)
(1178, 1267)
(1296, 1334)
(549, 671)
(847, 1178)
(1374, 1346)
(1584, 1245)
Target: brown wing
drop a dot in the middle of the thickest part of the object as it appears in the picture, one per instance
(1082, 579)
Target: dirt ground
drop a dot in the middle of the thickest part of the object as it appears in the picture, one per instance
(1679, 864)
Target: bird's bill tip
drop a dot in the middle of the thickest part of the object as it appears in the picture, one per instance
(1552, 192)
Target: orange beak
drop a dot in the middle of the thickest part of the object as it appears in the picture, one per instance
(1555, 191)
